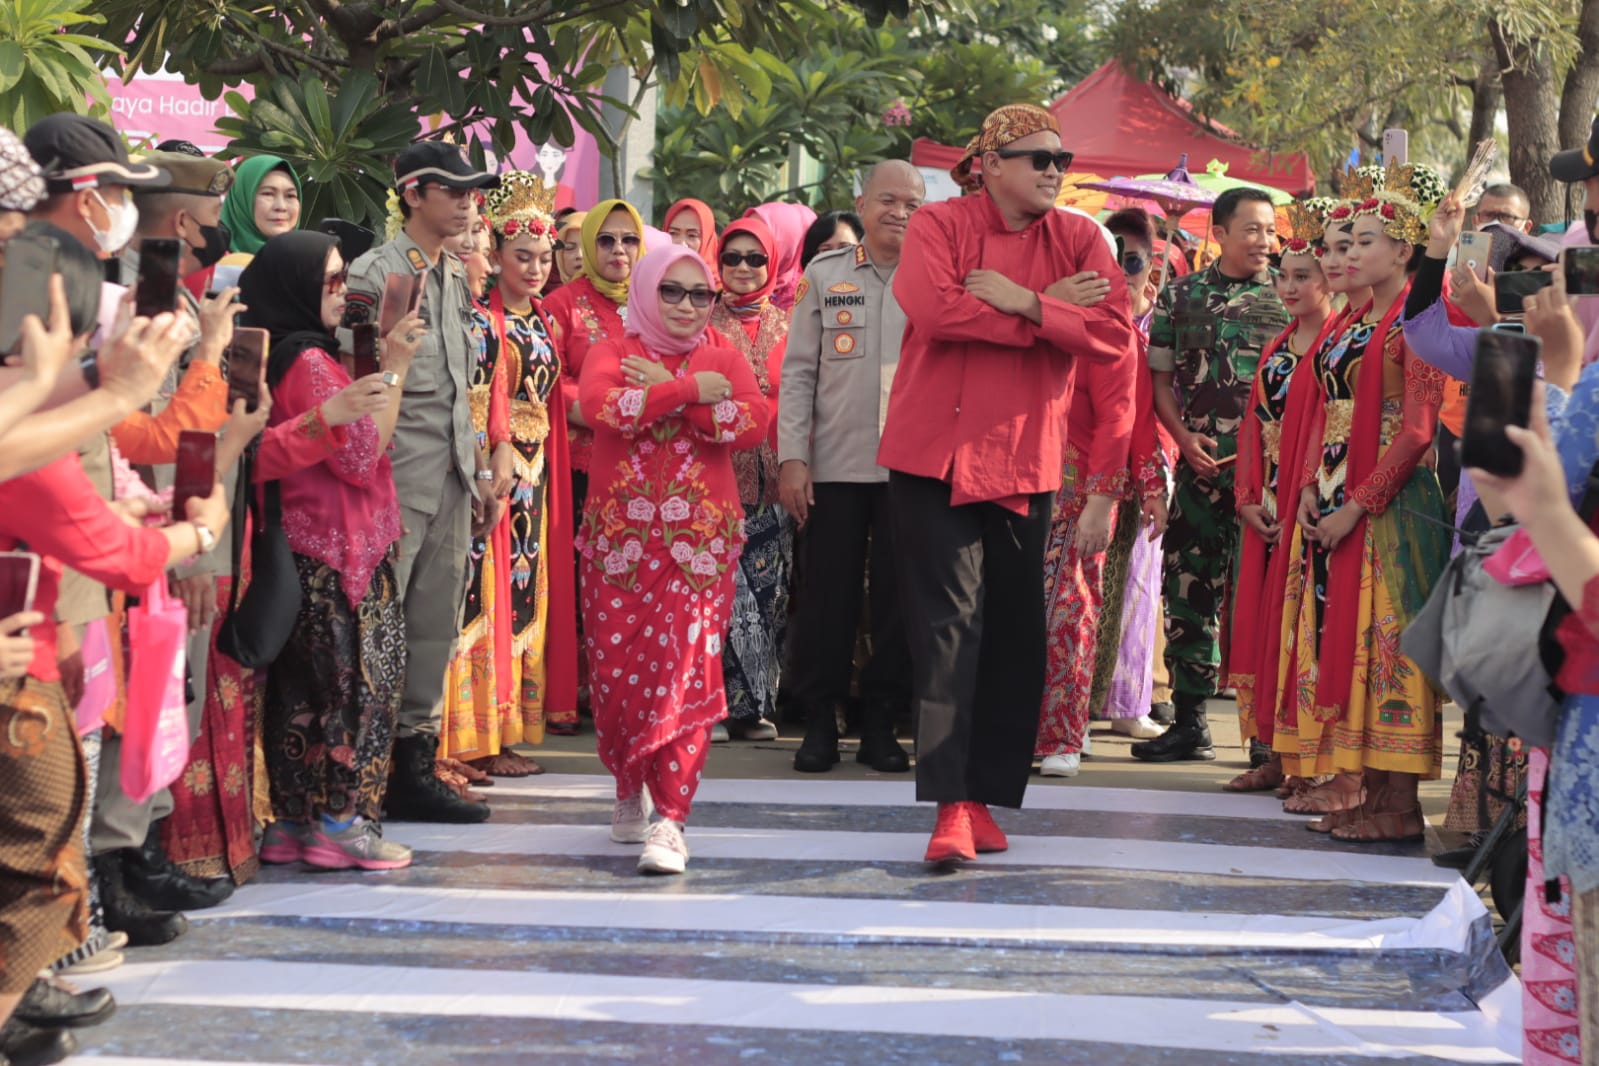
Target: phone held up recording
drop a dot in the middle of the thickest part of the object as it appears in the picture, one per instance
(197, 470)
(1502, 375)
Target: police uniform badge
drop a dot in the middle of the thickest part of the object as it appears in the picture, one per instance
(417, 260)
(358, 308)
(803, 288)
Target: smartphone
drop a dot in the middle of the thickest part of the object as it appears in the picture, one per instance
(1511, 289)
(243, 362)
(1475, 251)
(401, 295)
(25, 287)
(1395, 147)
(156, 291)
(365, 350)
(1502, 373)
(1582, 271)
(197, 470)
(19, 582)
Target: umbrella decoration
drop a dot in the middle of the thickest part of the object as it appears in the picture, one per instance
(1074, 194)
(1215, 178)
(1174, 193)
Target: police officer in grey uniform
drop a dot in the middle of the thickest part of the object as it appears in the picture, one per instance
(843, 348)
(444, 491)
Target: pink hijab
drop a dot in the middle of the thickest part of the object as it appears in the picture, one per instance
(788, 223)
(644, 300)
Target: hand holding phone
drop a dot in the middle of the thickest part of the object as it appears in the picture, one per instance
(1503, 371)
(1511, 289)
(19, 582)
(402, 294)
(196, 473)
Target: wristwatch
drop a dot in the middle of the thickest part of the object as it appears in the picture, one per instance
(484, 475)
(208, 540)
(89, 367)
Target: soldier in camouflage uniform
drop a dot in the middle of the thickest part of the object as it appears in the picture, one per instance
(1205, 341)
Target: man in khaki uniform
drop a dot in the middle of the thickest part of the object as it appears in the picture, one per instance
(843, 347)
(443, 493)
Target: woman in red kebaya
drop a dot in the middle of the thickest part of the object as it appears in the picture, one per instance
(659, 541)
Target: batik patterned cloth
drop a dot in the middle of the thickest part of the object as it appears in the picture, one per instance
(332, 697)
(211, 830)
(1550, 1033)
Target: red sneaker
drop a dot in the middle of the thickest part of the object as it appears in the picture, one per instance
(952, 836)
(987, 836)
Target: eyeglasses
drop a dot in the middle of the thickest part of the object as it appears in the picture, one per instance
(335, 282)
(754, 259)
(1504, 218)
(1042, 158)
(562, 246)
(673, 293)
(605, 242)
(1133, 263)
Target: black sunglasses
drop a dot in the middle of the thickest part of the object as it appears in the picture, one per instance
(754, 259)
(1133, 263)
(606, 241)
(1041, 158)
(673, 293)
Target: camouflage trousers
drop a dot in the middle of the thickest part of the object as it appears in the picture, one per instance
(1201, 558)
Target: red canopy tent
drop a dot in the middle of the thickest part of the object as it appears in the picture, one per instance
(1118, 125)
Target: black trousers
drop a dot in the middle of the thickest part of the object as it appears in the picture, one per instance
(972, 581)
(846, 519)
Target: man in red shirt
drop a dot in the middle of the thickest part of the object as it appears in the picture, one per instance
(975, 445)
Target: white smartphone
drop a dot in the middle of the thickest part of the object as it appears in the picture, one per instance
(1395, 147)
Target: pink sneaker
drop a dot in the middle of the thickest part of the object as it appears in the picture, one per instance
(360, 845)
(283, 843)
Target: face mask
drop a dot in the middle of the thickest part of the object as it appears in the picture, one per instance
(1591, 218)
(124, 221)
(217, 242)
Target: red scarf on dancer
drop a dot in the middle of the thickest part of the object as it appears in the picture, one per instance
(1301, 419)
(1245, 621)
(560, 640)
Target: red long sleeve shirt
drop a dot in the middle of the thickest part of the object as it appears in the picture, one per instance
(56, 513)
(981, 398)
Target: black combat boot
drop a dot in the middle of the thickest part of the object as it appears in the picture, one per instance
(818, 752)
(1186, 741)
(415, 792)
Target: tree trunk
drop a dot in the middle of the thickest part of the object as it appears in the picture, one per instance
(1485, 95)
(1531, 101)
(1581, 90)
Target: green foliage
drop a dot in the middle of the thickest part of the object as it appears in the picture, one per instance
(1326, 77)
(850, 94)
(343, 145)
(45, 68)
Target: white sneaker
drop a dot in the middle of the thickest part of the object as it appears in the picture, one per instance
(630, 820)
(1088, 743)
(1061, 765)
(719, 734)
(750, 729)
(1141, 728)
(665, 851)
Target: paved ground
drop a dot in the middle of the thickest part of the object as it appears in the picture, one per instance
(1139, 917)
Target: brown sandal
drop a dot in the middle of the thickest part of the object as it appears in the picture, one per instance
(466, 771)
(1333, 820)
(1263, 778)
(506, 764)
(1326, 798)
(1371, 827)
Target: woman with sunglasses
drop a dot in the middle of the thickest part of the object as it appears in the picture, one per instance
(1302, 287)
(588, 309)
(333, 693)
(513, 672)
(746, 317)
(788, 224)
(660, 539)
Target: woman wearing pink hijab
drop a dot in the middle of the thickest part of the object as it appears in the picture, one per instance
(788, 223)
(660, 540)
